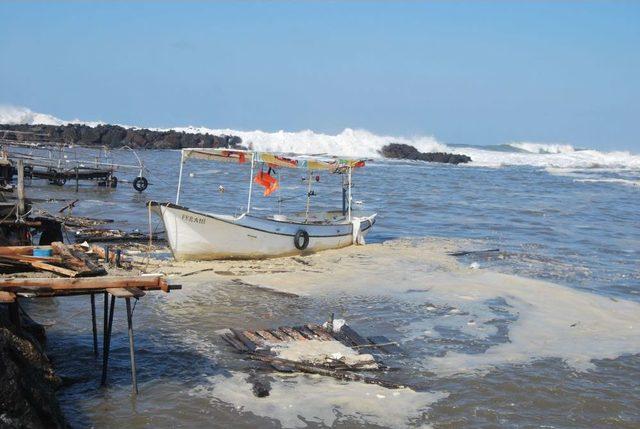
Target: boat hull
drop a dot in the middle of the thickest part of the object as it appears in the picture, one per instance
(195, 235)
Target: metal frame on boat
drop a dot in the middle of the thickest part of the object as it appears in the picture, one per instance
(198, 235)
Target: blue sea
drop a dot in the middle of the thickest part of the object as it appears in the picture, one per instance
(562, 215)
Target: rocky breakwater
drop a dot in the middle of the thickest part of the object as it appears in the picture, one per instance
(27, 380)
(405, 151)
(114, 136)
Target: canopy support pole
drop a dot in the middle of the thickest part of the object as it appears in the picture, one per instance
(306, 212)
(344, 195)
(180, 176)
(250, 183)
(349, 196)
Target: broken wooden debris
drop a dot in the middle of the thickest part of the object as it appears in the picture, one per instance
(471, 252)
(64, 260)
(103, 235)
(264, 344)
(79, 221)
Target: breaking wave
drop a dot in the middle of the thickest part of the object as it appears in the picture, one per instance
(11, 115)
(542, 147)
(359, 142)
(350, 142)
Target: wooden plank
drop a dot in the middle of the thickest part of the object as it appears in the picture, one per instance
(234, 342)
(7, 297)
(84, 283)
(306, 332)
(319, 331)
(164, 286)
(280, 335)
(353, 336)
(96, 268)
(132, 292)
(268, 336)
(385, 344)
(29, 258)
(250, 345)
(254, 338)
(293, 333)
(21, 250)
(70, 260)
(54, 269)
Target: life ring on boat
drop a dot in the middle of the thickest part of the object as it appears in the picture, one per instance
(59, 180)
(301, 234)
(140, 183)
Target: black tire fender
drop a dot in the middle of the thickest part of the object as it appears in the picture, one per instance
(301, 234)
(140, 183)
(59, 180)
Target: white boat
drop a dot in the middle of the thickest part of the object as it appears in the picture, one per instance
(198, 235)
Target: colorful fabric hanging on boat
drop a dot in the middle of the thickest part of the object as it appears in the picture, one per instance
(269, 182)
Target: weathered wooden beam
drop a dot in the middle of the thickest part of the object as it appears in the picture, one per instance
(250, 345)
(254, 338)
(268, 336)
(320, 331)
(233, 341)
(85, 283)
(280, 335)
(95, 268)
(29, 258)
(7, 297)
(293, 333)
(21, 250)
(52, 268)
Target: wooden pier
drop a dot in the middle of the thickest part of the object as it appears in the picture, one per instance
(109, 287)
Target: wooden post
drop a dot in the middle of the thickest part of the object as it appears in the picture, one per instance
(107, 342)
(104, 336)
(131, 347)
(77, 179)
(21, 204)
(93, 325)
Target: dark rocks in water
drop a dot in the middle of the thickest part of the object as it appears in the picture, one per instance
(114, 136)
(27, 380)
(405, 151)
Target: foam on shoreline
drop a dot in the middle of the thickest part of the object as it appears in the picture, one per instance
(544, 320)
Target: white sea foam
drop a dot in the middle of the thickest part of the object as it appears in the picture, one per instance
(350, 142)
(545, 320)
(542, 147)
(582, 159)
(359, 142)
(12, 115)
(297, 401)
(22, 115)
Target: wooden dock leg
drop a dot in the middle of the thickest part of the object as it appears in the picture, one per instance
(104, 324)
(93, 325)
(107, 341)
(131, 347)
(14, 315)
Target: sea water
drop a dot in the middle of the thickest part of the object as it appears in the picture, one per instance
(544, 332)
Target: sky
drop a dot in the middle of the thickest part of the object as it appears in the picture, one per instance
(476, 73)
